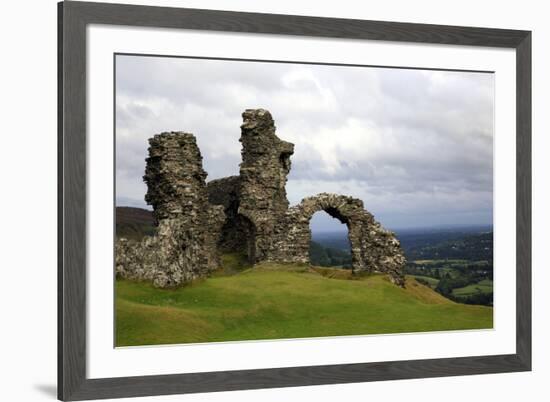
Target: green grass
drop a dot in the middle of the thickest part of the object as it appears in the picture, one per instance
(274, 301)
(333, 272)
(484, 286)
(232, 263)
(432, 281)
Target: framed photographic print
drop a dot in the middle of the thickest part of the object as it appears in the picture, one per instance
(255, 201)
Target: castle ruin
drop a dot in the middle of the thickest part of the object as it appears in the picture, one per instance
(249, 213)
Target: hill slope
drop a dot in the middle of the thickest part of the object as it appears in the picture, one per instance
(134, 223)
(284, 301)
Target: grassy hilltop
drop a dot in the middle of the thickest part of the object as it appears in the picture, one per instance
(274, 301)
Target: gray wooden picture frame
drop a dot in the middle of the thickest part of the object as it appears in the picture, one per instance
(73, 18)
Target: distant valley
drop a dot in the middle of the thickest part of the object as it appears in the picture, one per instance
(457, 262)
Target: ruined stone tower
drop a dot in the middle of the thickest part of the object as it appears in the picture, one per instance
(185, 247)
(248, 213)
(263, 172)
(176, 181)
(255, 201)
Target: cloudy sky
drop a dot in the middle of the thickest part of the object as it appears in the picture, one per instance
(415, 145)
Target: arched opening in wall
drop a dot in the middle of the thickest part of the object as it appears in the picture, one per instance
(230, 238)
(246, 237)
(329, 245)
(239, 236)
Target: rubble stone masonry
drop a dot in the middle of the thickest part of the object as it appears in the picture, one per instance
(250, 212)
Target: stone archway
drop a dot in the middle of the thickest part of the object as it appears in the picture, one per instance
(238, 232)
(347, 210)
(373, 249)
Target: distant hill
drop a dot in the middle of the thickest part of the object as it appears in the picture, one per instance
(461, 242)
(472, 247)
(328, 256)
(134, 223)
(335, 240)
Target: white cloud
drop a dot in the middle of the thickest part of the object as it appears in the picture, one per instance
(415, 145)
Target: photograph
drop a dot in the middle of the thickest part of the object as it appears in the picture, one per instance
(269, 200)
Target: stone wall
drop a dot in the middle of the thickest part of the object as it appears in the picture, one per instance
(189, 227)
(263, 175)
(373, 249)
(236, 233)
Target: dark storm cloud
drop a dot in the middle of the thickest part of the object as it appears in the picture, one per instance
(415, 145)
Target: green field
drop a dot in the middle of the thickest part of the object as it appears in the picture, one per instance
(484, 286)
(273, 301)
(436, 262)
